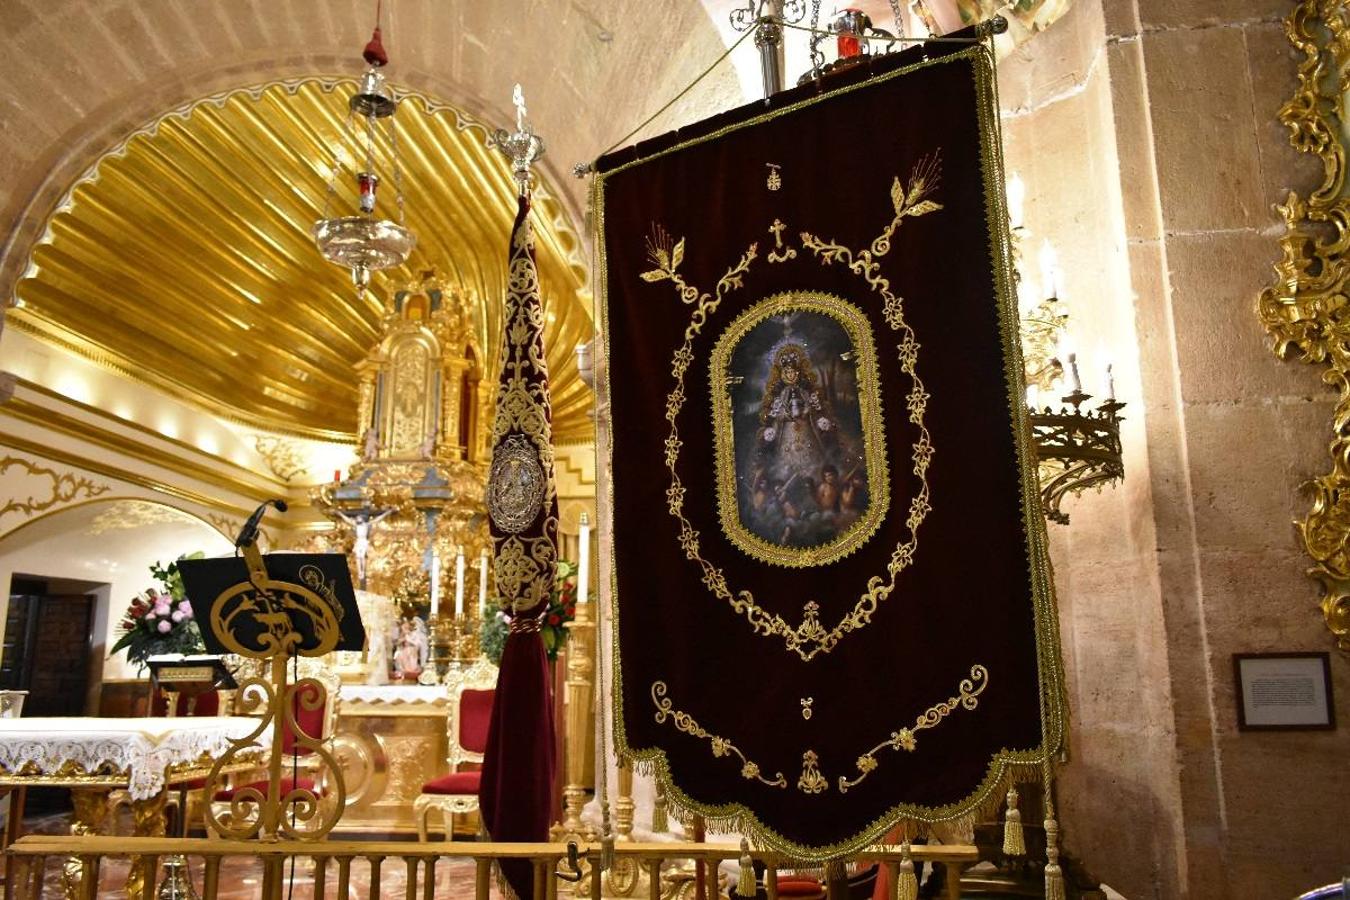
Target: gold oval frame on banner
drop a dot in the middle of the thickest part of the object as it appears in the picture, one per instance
(854, 324)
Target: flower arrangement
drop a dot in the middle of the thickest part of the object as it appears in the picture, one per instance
(161, 619)
(562, 608)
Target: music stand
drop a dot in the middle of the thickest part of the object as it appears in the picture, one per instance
(274, 608)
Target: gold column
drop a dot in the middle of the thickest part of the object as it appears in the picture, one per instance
(147, 821)
(580, 689)
(451, 385)
(91, 811)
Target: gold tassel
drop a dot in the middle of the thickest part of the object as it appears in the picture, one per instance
(1014, 841)
(660, 820)
(745, 885)
(1054, 877)
(907, 883)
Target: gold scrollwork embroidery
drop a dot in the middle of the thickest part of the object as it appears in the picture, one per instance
(810, 637)
(523, 565)
(775, 180)
(811, 781)
(780, 253)
(720, 745)
(863, 358)
(64, 487)
(967, 692)
(806, 706)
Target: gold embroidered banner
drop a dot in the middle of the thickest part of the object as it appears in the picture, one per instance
(828, 563)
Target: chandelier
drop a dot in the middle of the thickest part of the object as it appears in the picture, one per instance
(1077, 444)
(364, 242)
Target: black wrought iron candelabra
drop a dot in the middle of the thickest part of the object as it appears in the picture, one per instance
(1078, 448)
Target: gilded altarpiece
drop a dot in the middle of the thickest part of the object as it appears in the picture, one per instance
(1305, 310)
(826, 553)
(414, 499)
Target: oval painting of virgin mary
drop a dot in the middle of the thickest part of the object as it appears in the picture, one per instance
(801, 479)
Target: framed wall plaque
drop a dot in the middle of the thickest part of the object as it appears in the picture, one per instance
(1284, 691)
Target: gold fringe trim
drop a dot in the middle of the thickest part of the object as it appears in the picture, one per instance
(1014, 841)
(916, 821)
(1054, 877)
(660, 820)
(906, 882)
(745, 884)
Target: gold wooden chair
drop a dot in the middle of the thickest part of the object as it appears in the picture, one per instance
(471, 693)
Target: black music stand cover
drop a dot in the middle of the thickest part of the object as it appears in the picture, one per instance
(322, 575)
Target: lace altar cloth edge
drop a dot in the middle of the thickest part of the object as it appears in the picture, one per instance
(143, 749)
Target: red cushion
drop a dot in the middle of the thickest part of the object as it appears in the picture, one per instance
(287, 785)
(310, 721)
(454, 783)
(799, 887)
(192, 784)
(475, 712)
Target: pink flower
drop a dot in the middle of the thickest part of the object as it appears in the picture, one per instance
(185, 608)
(177, 615)
(150, 615)
(165, 626)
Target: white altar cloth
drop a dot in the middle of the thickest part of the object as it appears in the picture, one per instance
(393, 694)
(142, 749)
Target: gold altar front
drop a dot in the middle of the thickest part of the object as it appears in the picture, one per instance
(389, 744)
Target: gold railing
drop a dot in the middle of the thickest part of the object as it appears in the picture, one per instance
(554, 872)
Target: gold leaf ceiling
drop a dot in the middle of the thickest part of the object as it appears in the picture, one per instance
(184, 258)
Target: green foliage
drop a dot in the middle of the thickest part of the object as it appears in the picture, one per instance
(553, 627)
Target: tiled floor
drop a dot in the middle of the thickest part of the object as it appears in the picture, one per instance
(241, 878)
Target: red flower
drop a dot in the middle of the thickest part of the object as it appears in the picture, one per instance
(571, 611)
(554, 620)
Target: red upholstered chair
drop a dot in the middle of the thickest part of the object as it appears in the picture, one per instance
(298, 768)
(470, 694)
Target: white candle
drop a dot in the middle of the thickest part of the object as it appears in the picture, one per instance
(1110, 383)
(1049, 270)
(435, 584)
(1017, 193)
(459, 583)
(1075, 381)
(584, 573)
(518, 98)
(482, 583)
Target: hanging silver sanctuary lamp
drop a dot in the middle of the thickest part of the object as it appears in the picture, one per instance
(365, 243)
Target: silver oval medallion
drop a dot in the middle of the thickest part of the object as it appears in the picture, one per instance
(515, 485)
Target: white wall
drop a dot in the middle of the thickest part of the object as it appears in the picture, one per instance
(73, 544)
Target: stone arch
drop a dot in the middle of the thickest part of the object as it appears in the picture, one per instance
(84, 81)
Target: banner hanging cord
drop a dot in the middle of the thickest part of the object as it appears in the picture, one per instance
(673, 100)
(583, 168)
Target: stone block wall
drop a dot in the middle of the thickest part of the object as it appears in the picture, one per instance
(1146, 133)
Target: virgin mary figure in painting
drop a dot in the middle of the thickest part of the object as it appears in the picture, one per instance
(795, 425)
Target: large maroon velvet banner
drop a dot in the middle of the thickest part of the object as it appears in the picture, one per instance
(515, 792)
(828, 561)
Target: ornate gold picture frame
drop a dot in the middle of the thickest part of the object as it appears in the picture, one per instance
(1305, 311)
(801, 456)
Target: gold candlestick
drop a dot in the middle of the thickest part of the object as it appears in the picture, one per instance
(442, 638)
(580, 688)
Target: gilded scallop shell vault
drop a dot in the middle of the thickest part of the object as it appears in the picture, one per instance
(183, 257)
